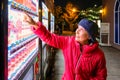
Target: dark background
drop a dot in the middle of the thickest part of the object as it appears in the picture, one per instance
(81, 4)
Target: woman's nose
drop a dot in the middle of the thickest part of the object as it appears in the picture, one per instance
(78, 30)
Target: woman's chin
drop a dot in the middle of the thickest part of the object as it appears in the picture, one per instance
(78, 40)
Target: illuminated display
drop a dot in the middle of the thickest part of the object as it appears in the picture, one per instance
(44, 18)
(44, 15)
(30, 6)
(22, 42)
(52, 23)
(44, 11)
(45, 23)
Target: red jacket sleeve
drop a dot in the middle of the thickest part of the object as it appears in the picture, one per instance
(101, 71)
(50, 38)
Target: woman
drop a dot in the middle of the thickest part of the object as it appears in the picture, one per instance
(84, 60)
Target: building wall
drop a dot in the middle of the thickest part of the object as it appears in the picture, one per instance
(108, 16)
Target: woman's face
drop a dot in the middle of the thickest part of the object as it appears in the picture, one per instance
(82, 35)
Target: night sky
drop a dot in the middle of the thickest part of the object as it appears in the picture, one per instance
(81, 4)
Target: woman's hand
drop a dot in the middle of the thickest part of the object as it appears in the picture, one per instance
(30, 21)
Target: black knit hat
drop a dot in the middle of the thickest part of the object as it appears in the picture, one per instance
(91, 27)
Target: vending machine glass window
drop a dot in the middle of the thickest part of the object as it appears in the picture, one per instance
(44, 18)
(30, 74)
(22, 42)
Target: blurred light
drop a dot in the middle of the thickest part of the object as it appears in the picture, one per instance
(39, 10)
(101, 11)
(74, 10)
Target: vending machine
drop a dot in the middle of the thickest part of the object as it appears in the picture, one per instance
(44, 45)
(22, 44)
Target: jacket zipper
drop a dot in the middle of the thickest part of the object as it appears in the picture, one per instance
(78, 62)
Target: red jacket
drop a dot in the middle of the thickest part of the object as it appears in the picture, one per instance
(90, 64)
